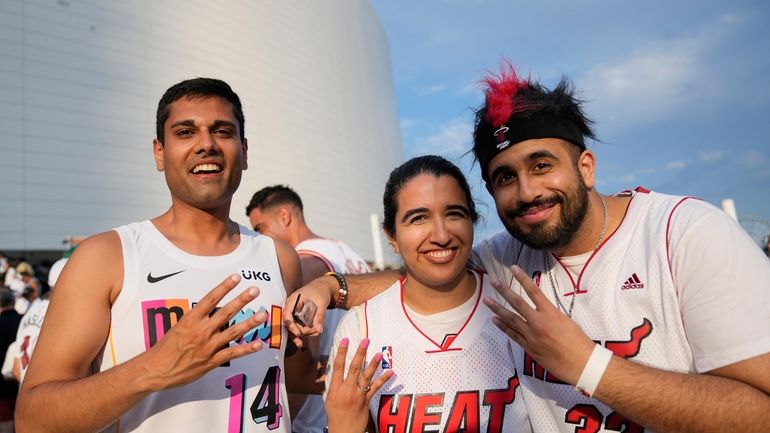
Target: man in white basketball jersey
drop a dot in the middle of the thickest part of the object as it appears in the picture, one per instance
(633, 312)
(277, 211)
(29, 328)
(135, 338)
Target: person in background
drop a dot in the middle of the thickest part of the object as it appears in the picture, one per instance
(27, 287)
(9, 323)
(31, 323)
(277, 211)
(3, 266)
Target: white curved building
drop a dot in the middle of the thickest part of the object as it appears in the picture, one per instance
(80, 82)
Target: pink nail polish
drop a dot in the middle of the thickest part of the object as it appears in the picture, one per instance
(344, 342)
(365, 343)
(377, 357)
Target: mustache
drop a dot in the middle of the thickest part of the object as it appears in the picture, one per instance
(523, 208)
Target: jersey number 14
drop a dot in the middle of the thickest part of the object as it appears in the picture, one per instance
(266, 407)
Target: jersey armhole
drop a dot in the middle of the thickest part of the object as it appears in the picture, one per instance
(363, 323)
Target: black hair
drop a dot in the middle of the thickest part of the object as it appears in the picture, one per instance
(197, 88)
(403, 174)
(540, 112)
(7, 298)
(271, 196)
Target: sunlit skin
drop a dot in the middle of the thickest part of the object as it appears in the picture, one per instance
(267, 222)
(544, 171)
(434, 236)
(203, 154)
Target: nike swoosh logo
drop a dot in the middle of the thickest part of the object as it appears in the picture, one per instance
(151, 279)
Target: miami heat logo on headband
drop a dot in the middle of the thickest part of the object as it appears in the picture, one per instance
(518, 109)
(502, 143)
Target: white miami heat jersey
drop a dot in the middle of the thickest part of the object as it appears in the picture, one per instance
(465, 383)
(626, 300)
(161, 284)
(28, 333)
(338, 257)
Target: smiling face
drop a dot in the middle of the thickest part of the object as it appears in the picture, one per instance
(433, 230)
(269, 222)
(541, 189)
(203, 155)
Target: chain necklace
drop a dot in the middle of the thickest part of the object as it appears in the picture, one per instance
(552, 280)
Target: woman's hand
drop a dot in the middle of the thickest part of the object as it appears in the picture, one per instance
(347, 402)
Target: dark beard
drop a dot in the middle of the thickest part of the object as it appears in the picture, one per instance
(542, 237)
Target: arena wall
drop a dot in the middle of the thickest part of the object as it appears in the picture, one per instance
(80, 81)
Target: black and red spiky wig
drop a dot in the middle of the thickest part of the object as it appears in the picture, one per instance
(516, 110)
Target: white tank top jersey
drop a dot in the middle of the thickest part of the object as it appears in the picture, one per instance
(658, 291)
(162, 283)
(465, 382)
(338, 257)
(28, 333)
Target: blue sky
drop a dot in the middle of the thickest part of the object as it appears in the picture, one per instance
(680, 91)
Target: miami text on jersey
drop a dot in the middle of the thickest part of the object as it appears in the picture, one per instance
(159, 315)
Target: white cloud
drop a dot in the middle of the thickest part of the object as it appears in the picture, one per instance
(655, 80)
(451, 138)
(644, 86)
(406, 123)
(676, 165)
(711, 156)
(444, 37)
(751, 158)
(470, 88)
(430, 90)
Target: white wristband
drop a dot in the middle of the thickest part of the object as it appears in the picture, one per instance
(593, 371)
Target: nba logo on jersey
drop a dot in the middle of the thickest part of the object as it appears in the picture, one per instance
(387, 357)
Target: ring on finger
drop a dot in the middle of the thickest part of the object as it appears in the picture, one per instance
(363, 388)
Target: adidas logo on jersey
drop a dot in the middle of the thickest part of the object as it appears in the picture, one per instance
(633, 282)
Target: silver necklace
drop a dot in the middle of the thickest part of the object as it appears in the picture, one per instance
(552, 280)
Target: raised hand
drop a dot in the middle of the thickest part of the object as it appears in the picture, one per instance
(552, 338)
(347, 402)
(316, 291)
(199, 342)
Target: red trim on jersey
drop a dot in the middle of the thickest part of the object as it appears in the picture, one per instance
(479, 285)
(317, 255)
(576, 287)
(668, 227)
(642, 190)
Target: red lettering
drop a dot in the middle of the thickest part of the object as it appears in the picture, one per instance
(534, 369)
(421, 418)
(497, 400)
(24, 355)
(392, 418)
(586, 417)
(464, 413)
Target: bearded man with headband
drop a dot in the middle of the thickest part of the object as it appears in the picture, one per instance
(633, 312)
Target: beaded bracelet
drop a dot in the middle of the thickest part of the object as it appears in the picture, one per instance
(342, 295)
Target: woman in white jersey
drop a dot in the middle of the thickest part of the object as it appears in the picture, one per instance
(453, 368)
